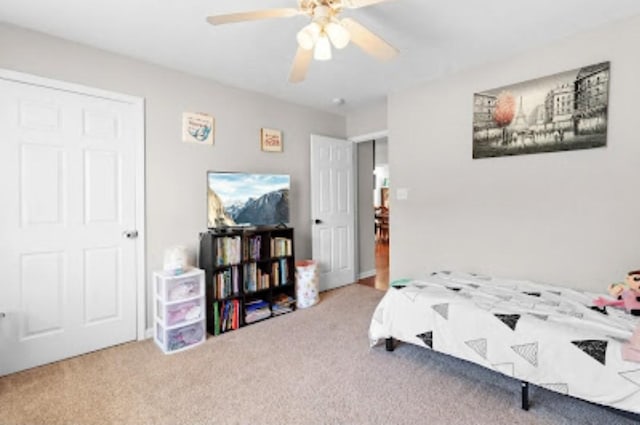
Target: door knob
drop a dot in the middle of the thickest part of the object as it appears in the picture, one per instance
(317, 221)
(130, 234)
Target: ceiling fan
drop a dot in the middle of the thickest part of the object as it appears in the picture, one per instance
(324, 30)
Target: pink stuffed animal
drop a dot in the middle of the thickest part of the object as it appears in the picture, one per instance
(628, 297)
(631, 350)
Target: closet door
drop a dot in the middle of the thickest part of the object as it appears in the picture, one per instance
(68, 173)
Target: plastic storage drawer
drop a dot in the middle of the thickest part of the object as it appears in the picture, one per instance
(180, 312)
(184, 286)
(175, 339)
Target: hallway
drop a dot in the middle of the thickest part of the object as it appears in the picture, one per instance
(381, 279)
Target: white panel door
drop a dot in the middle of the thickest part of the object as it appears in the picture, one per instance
(68, 190)
(333, 210)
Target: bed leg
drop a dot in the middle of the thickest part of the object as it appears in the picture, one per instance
(389, 344)
(525, 395)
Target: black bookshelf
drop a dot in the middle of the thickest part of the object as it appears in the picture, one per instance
(242, 267)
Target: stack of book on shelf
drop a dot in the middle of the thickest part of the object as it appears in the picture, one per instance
(256, 310)
(226, 283)
(281, 247)
(254, 278)
(282, 304)
(280, 272)
(228, 250)
(226, 316)
(252, 249)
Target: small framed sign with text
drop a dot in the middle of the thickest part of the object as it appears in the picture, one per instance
(271, 140)
(197, 128)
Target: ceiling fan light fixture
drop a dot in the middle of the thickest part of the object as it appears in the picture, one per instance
(338, 35)
(322, 50)
(308, 36)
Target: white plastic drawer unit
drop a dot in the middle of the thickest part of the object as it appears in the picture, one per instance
(170, 288)
(173, 340)
(180, 312)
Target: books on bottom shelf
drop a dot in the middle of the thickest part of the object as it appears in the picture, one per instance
(226, 316)
(256, 310)
(282, 304)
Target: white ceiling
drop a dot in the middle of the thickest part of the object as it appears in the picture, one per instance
(434, 38)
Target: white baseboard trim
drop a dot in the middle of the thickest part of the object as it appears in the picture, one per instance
(368, 273)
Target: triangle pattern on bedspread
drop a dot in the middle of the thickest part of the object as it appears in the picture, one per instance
(593, 347)
(442, 310)
(427, 338)
(529, 352)
(479, 346)
(632, 376)
(510, 320)
(540, 316)
(559, 388)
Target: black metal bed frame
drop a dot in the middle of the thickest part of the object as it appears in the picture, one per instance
(524, 386)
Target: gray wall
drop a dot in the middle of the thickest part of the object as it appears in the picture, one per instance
(565, 217)
(366, 234)
(368, 119)
(175, 173)
(382, 151)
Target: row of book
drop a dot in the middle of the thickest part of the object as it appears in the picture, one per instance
(226, 283)
(280, 272)
(228, 250)
(253, 247)
(281, 247)
(226, 316)
(254, 278)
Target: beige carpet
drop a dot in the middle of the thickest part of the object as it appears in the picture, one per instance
(310, 367)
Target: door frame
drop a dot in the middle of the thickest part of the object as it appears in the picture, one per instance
(139, 106)
(359, 139)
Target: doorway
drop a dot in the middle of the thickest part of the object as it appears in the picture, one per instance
(374, 212)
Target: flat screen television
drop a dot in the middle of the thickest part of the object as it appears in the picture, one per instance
(247, 199)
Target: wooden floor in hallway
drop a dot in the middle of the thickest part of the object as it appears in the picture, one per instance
(381, 279)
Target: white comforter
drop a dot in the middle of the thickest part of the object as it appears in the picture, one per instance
(546, 335)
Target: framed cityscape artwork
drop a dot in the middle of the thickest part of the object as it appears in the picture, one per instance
(561, 112)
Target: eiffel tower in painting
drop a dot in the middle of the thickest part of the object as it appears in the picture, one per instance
(520, 123)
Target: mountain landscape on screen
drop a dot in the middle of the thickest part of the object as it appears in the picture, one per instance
(247, 199)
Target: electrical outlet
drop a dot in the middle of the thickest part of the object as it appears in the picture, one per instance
(402, 194)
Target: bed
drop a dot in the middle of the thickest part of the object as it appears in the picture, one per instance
(546, 335)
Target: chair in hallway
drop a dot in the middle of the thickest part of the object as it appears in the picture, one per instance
(382, 224)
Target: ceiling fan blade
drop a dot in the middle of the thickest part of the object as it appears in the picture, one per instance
(252, 16)
(356, 4)
(300, 65)
(368, 41)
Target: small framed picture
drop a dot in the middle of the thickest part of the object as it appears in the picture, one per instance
(271, 140)
(197, 128)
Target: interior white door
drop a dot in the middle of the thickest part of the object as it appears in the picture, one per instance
(68, 190)
(333, 210)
